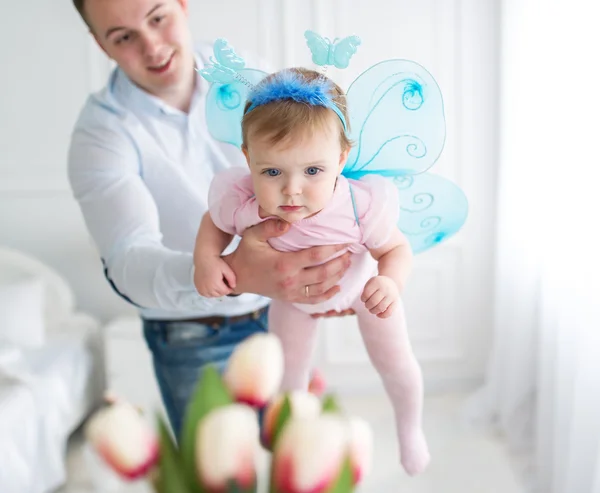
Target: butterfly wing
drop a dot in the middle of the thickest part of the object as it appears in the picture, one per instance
(217, 73)
(226, 56)
(225, 106)
(432, 209)
(397, 120)
(344, 50)
(319, 47)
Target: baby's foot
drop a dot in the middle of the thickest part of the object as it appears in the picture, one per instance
(414, 453)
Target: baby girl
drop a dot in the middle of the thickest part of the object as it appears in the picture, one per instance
(295, 141)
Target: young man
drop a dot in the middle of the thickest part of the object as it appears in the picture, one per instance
(140, 164)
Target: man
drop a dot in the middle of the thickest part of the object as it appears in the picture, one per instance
(140, 164)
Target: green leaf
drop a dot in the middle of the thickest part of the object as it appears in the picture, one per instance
(330, 405)
(345, 481)
(170, 468)
(210, 393)
(282, 418)
(233, 487)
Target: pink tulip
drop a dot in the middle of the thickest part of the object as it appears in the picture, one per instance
(303, 405)
(255, 369)
(361, 447)
(309, 455)
(227, 447)
(124, 439)
(317, 384)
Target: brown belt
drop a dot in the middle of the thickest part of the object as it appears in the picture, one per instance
(216, 322)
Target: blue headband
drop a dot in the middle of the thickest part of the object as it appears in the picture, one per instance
(292, 85)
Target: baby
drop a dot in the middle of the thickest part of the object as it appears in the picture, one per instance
(294, 133)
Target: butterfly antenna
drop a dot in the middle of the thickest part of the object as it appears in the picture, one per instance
(244, 81)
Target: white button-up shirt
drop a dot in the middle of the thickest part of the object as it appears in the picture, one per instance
(140, 170)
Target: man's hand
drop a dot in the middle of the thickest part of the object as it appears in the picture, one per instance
(295, 277)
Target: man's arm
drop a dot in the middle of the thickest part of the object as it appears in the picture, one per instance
(122, 218)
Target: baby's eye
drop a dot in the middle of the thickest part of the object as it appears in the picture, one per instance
(272, 172)
(158, 19)
(312, 171)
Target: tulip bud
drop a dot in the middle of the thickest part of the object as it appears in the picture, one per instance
(255, 369)
(317, 384)
(361, 448)
(125, 441)
(302, 405)
(309, 454)
(226, 447)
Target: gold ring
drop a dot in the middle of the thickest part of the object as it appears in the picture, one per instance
(306, 290)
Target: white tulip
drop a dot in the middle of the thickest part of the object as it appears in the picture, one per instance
(310, 453)
(227, 446)
(255, 369)
(124, 439)
(302, 405)
(361, 447)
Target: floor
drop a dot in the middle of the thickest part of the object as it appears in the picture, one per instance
(463, 461)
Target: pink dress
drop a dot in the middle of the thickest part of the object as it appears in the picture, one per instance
(373, 200)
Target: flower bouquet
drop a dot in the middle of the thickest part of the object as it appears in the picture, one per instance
(314, 447)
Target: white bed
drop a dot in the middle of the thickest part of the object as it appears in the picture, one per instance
(48, 388)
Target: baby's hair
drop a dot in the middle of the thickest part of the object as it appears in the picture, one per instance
(281, 120)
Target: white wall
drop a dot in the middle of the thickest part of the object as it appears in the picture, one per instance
(53, 65)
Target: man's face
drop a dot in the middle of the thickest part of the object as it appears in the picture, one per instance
(149, 39)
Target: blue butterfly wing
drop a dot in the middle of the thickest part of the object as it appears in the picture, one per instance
(217, 73)
(226, 56)
(319, 47)
(225, 107)
(397, 120)
(344, 50)
(432, 209)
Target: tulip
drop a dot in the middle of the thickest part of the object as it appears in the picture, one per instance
(317, 384)
(255, 369)
(302, 405)
(124, 440)
(309, 455)
(361, 447)
(227, 447)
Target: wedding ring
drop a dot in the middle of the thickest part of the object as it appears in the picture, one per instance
(306, 290)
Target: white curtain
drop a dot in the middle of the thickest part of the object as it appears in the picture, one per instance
(543, 381)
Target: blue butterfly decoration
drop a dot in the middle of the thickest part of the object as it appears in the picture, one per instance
(226, 66)
(337, 52)
(397, 122)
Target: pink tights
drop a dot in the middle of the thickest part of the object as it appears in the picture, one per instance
(390, 352)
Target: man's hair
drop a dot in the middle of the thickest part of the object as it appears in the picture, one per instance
(280, 120)
(80, 6)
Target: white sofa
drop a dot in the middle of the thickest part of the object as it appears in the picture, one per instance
(51, 373)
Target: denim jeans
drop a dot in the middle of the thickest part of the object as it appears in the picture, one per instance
(181, 349)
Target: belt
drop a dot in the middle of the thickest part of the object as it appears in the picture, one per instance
(216, 322)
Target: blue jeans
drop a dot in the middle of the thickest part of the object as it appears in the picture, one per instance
(181, 349)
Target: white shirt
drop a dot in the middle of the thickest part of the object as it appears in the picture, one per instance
(140, 171)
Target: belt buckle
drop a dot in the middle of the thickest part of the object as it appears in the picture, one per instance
(256, 314)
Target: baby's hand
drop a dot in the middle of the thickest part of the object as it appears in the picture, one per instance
(210, 276)
(380, 296)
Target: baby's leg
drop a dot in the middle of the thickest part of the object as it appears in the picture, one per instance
(297, 332)
(390, 352)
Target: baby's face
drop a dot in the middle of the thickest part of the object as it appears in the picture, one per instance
(295, 180)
